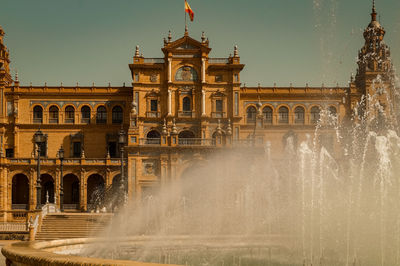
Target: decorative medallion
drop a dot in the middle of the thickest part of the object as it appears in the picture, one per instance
(153, 78)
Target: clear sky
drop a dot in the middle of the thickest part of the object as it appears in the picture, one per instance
(282, 41)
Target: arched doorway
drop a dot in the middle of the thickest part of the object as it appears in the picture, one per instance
(218, 141)
(20, 192)
(71, 191)
(186, 137)
(95, 191)
(47, 188)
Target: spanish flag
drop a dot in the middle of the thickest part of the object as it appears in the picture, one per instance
(189, 11)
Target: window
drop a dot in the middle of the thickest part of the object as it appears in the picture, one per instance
(186, 103)
(283, 115)
(10, 153)
(137, 77)
(251, 114)
(218, 78)
(315, 114)
(332, 110)
(267, 114)
(37, 115)
(219, 106)
(69, 115)
(236, 77)
(101, 115)
(112, 149)
(299, 115)
(117, 115)
(76, 149)
(153, 105)
(53, 112)
(236, 103)
(43, 148)
(85, 114)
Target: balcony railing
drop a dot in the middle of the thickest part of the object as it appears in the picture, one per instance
(150, 141)
(71, 206)
(186, 114)
(218, 115)
(153, 60)
(53, 120)
(69, 120)
(153, 114)
(37, 120)
(196, 142)
(19, 206)
(85, 120)
(218, 60)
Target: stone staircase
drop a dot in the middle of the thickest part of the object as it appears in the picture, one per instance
(72, 225)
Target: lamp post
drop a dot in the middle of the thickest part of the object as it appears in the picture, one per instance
(39, 139)
(61, 156)
(122, 141)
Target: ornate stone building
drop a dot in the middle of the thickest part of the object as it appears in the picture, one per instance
(183, 105)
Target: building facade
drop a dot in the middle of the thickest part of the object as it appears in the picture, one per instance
(181, 106)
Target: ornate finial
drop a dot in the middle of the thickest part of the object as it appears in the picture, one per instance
(83, 153)
(61, 84)
(235, 51)
(229, 128)
(373, 14)
(45, 84)
(186, 31)
(16, 76)
(47, 197)
(169, 36)
(373, 6)
(137, 51)
(93, 84)
(219, 131)
(164, 128)
(174, 130)
(203, 37)
(165, 42)
(77, 84)
(109, 84)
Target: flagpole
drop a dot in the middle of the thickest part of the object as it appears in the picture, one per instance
(185, 16)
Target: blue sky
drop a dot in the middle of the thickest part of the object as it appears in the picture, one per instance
(282, 41)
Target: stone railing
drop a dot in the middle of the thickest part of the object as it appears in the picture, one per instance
(218, 60)
(153, 60)
(13, 227)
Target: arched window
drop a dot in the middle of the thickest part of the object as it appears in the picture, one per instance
(315, 114)
(186, 104)
(37, 114)
(251, 114)
(186, 137)
(299, 115)
(101, 115)
(69, 115)
(153, 137)
(85, 115)
(267, 114)
(332, 110)
(53, 113)
(117, 115)
(20, 192)
(283, 115)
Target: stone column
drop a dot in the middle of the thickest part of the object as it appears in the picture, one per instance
(203, 70)
(169, 102)
(83, 194)
(164, 168)
(203, 103)
(169, 70)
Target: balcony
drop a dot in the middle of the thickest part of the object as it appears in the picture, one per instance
(153, 60)
(218, 60)
(218, 115)
(85, 120)
(19, 206)
(153, 114)
(189, 114)
(38, 120)
(196, 142)
(150, 141)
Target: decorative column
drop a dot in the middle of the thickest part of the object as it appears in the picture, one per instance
(203, 70)
(203, 103)
(169, 102)
(169, 69)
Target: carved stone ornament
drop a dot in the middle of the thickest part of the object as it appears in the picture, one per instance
(153, 78)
